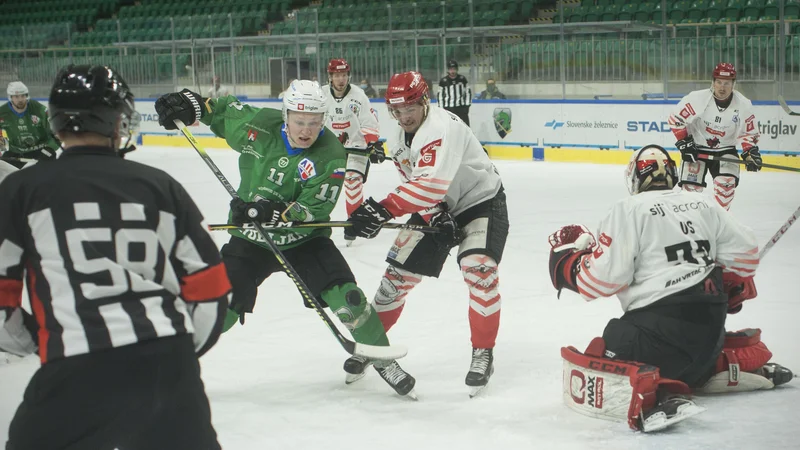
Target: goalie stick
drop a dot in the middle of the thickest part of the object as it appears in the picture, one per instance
(335, 224)
(368, 351)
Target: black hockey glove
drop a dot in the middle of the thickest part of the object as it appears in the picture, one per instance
(39, 152)
(265, 212)
(688, 149)
(752, 159)
(367, 220)
(185, 106)
(376, 152)
(450, 233)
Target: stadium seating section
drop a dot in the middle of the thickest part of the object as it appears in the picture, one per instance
(93, 26)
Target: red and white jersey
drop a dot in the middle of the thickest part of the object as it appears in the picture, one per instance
(351, 118)
(698, 116)
(444, 162)
(658, 243)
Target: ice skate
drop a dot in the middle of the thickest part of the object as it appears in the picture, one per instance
(668, 413)
(355, 367)
(776, 373)
(400, 380)
(480, 370)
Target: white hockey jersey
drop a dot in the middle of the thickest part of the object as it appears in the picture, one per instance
(351, 118)
(698, 116)
(445, 162)
(657, 243)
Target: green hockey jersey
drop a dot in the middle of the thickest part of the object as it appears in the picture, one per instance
(310, 180)
(28, 130)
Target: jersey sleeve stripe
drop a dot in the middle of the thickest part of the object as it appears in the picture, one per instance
(10, 293)
(422, 187)
(604, 284)
(426, 200)
(208, 284)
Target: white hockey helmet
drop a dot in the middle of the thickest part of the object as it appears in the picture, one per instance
(305, 96)
(650, 167)
(16, 88)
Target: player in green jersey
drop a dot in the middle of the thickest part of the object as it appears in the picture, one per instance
(292, 169)
(24, 128)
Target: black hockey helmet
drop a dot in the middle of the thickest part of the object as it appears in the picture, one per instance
(90, 99)
(452, 64)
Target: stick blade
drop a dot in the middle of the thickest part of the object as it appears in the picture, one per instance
(786, 107)
(386, 353)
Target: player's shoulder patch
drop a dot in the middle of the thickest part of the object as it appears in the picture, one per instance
(427, 154)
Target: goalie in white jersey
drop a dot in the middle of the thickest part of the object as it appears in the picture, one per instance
(448, 181)
(709, 124)
(679, 263)
(355, 123)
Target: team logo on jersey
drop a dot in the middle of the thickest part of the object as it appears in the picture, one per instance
(35, 120)
(283, 162)
(340, 126)
(687, 111)
(719, 133)
(427, 155)
(306, 169)
(502, 121)
(252, 135)
(713, 142)
(750, 121)
(22, 121)
(354, 108)
(301, 107)
(605, 239)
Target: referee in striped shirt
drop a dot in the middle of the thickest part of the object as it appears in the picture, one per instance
(455, 94)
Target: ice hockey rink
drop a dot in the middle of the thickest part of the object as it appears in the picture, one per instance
(277, 382)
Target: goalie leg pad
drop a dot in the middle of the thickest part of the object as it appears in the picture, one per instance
(743, 353)
(611, 389)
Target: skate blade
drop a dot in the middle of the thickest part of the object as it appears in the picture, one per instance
(352, 378)
(475, 390)
(659, 421)
(348, 243)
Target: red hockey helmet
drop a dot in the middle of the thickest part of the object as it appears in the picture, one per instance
(338, 65)
(406, 88)
(725, 71)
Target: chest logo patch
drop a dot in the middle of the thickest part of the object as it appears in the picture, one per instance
(306, 169)
(283, 162)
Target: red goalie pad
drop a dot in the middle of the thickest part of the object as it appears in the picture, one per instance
(743, 350)
(611, 389)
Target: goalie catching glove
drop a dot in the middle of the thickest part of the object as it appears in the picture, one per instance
(567, 246)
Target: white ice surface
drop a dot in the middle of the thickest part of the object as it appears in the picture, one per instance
(277, 382)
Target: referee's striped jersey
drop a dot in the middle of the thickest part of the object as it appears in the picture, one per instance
(113, 253)
(454, 92)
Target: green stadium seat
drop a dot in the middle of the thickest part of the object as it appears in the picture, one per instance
(610, 13)
(734, 10)
(791, 8)
(753, 8)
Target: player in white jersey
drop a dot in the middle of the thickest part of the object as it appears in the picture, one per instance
(709, 124)
(355, 123)
(448, 181)
(679, 263)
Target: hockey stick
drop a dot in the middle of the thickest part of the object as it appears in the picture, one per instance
(779, 234)
(399, 226)
(786, 107)
(742, 162)
(354, 348)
